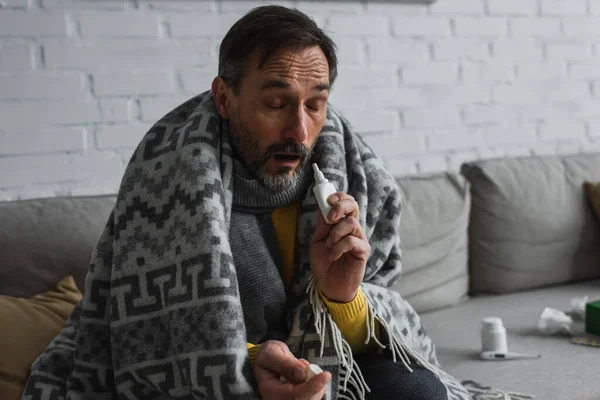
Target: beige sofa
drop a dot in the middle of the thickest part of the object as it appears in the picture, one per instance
(505, 238)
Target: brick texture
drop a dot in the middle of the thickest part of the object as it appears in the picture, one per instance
(512, 7)
(127, 24)
(429, 87)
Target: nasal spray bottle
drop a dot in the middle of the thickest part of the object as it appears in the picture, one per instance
(322, 190)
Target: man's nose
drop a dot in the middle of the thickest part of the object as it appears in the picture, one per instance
(296, 128)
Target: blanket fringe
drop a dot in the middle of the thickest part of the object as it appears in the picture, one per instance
(351, 374)
(488, 393)
(401, 350)
(350, 371)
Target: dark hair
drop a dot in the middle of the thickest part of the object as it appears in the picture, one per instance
(270, 29)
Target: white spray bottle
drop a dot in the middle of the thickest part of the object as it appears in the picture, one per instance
(322, 190)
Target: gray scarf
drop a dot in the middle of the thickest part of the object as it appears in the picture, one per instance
(256, 254)
(162, 315)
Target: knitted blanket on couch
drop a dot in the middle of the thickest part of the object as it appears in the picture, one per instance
(161, 315)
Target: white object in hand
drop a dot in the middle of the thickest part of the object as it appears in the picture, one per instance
(313, 370)
(322, 190)
(493, 335)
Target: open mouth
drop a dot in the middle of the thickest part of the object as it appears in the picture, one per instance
(287, 157)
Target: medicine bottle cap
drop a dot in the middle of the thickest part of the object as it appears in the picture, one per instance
(491, 323)
(319, 177)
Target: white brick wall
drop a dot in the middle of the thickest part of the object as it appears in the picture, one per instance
(463, 7)
(461, 49)
(517, 50)
(429, 87)
(49, 140)
(100, 54)
(41, 85)
(387, 50)
(595, 7)
(132, 83)
(432, 74)
(446, 116)
(512, 7)
(568, 51)
(422, 26)
(32, 24)
(15, 57)
(585, 70)
(480, 27)
(359, 25)
(535, 27)
(577, 28)
(562, 8)
(16, 3)
(127, 24)
(547, 70)
(183, 25)
(508, 134)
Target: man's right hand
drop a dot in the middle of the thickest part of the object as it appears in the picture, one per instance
(274, 360)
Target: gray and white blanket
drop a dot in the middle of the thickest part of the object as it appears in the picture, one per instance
(161, 315)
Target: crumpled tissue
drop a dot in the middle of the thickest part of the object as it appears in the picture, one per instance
(578, 306)
(553, 321)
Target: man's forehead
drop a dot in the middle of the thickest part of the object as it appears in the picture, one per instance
(303, 55)
(306, 64)
(270, 82)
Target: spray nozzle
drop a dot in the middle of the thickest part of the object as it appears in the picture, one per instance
(319, 177)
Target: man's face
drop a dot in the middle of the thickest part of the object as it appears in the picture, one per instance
(279, 112)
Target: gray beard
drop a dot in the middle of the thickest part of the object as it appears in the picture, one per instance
(283, 180)
(244, 144)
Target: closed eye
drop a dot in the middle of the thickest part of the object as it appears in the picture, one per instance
(315, 105)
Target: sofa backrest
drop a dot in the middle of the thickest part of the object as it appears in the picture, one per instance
(434, 235)
(44, 240)
(505, 225)
(531, 225)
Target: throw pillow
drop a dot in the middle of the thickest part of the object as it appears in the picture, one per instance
(28, 326)
(592, 190)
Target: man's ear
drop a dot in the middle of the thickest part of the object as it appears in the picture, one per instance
(222, 93)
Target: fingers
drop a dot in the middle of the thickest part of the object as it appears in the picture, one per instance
(322, 230)
(273, 361)
(276, 358)
(342, 204)
(348, 226)
(350, 244)
(313, 389)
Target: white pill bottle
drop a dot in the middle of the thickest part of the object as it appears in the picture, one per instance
(493, 335)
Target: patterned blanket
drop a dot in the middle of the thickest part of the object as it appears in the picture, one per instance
(161, 315)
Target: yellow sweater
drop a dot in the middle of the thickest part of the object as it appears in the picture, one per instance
(349, 317)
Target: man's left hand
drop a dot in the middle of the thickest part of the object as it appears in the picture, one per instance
(339, 251)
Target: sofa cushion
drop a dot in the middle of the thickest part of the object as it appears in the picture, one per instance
(433, 232)
(565, 371)
(44, 240)
(592, 190)
(530, 222)
(28, 326)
